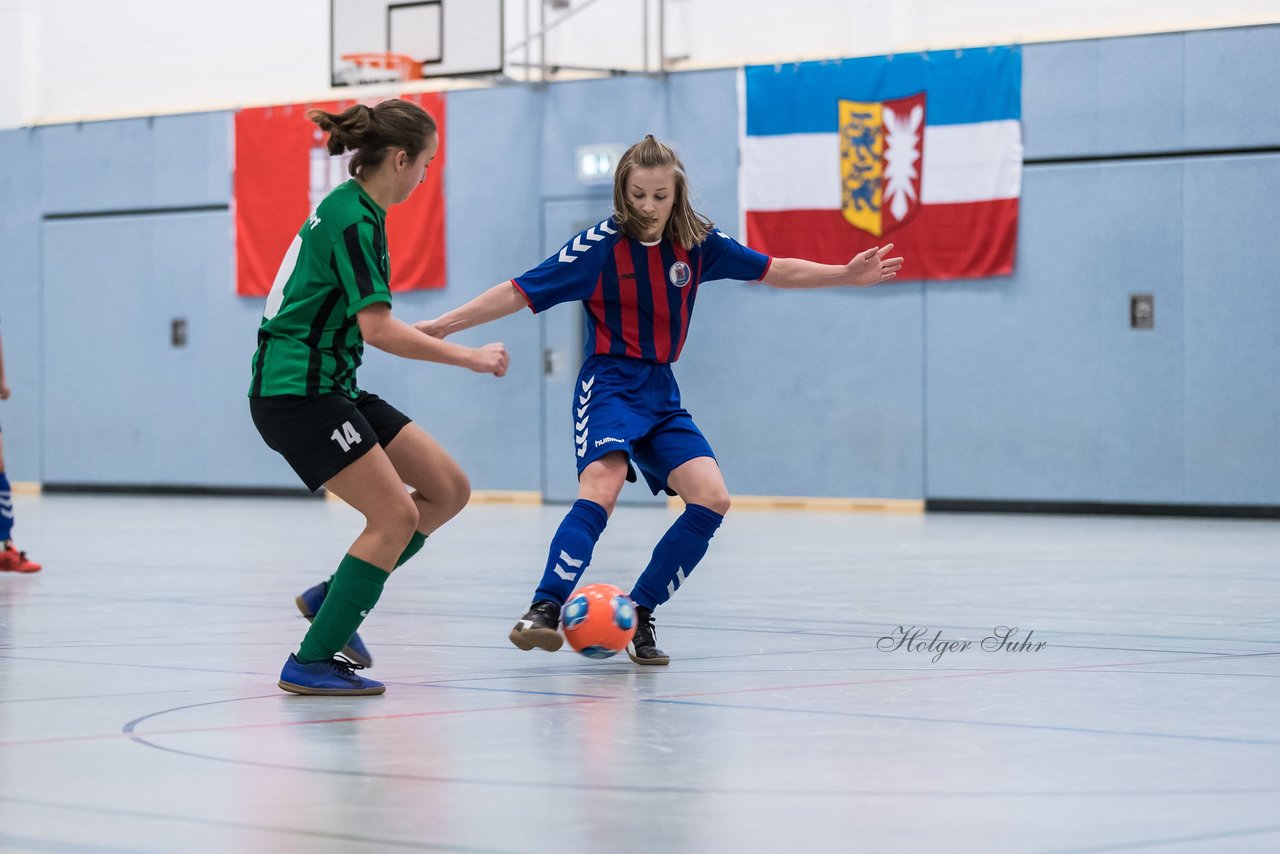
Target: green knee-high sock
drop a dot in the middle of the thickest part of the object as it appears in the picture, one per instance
(415, 546)
(353, 591)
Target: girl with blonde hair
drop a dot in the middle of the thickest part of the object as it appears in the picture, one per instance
(637, 273)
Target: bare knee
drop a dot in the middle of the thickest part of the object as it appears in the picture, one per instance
(448, 494)
(717, 501)
(608, 499)
(602, 480)
(458, 491)
(397, 522)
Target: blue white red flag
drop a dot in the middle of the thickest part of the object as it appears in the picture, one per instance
(921, 150)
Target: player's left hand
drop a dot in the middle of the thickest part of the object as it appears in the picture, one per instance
(4, 391)
(431, 327)
(873, 266)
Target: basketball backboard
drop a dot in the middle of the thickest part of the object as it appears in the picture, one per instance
(449, 38)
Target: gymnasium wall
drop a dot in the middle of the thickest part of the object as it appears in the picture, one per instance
(77, 60)
(1152, 166)
(1036, 387)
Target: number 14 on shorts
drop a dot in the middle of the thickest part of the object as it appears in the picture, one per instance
(346, 436)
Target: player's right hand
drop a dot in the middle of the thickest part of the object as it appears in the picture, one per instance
(491, 359)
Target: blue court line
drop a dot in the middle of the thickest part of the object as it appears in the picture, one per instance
(85, 697)
(711, 626)
(917, 719)
(869, 715)
(700, 626)
(1048, 634)
(53, 647)
(130, 727)
(998, 725)
(134, 664)
(768, 653)
(1179, 840)
(128, 730)
(456, 682)
(33, 843)
(1199, 673)
(825, 792)
(1212, 654)
(1053, 614)
(235, 825)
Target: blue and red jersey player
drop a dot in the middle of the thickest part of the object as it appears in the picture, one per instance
(637, 274)
(639, 299)
(638, 296)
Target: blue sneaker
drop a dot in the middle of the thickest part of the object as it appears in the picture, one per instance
(335, 677)
(309, 604)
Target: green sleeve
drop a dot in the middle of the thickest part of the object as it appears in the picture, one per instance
(360, 260)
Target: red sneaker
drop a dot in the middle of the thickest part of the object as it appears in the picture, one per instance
(12, 560)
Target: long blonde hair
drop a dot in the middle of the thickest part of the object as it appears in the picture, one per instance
(686, 228)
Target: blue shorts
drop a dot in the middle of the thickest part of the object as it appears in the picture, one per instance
(629, 405)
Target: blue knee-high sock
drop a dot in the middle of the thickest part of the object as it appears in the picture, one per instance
(571, 548)
(6, 509)
(675, 556)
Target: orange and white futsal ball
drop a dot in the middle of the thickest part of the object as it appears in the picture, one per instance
(599, 620)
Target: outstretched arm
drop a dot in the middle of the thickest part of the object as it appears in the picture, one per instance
(382, 330)
(867, 268)
(497, 302)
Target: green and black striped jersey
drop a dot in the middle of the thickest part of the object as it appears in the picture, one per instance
(309, 342)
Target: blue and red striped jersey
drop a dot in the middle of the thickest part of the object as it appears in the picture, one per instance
(639, 298)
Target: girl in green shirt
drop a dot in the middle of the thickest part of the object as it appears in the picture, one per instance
(331, 297)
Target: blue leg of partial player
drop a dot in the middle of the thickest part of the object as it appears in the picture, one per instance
(6, 509)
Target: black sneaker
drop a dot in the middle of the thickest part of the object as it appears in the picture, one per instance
(643, 648)
(540, 627)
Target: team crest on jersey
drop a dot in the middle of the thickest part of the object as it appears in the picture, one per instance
(679, 274)
(881, 160)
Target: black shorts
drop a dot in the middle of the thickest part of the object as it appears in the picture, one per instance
(321, 436)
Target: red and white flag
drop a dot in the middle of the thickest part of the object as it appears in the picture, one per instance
(283, 170)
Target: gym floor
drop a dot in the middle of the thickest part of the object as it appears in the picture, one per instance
(821, 696)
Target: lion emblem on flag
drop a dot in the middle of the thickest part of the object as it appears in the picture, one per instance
(881, 160)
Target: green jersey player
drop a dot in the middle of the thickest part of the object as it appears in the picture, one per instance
(331, 296)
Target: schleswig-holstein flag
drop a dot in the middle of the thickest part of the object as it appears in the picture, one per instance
(920, 150)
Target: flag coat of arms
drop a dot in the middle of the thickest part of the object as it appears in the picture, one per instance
(923, 151)
(282, 171)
